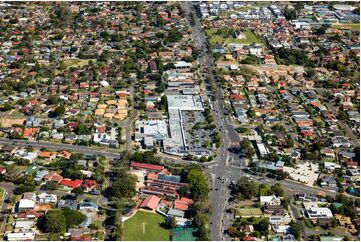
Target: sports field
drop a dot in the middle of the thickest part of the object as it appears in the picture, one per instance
(145, 226)
(353, 26)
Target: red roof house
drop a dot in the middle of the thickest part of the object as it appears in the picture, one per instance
(89, 185)
(137, 165)
(151, 202)
(71, 183)
(53, 176)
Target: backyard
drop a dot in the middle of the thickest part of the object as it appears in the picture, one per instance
(145, 226)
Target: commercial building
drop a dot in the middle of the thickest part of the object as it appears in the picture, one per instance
(176, 143)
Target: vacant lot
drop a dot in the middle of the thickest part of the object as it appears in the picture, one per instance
(145, 226)
(8, 122)
(353, 26)
(248, 212)
(214, 38)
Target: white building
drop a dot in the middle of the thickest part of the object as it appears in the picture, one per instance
(46, 198)
(270, 200)
(23, 226)
(315, 213)
(26, 204)
(20, 236)
(108, 138)
(312, 211)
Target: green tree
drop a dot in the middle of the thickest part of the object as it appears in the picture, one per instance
(247, 188)
(72, 217)
(290, 13)
(25, 187)
(124, 187)
(51, 185)
(277, 189)
(296, 229)
(117, 232)
(52, 222)
(7, 106)
(198, 183)
(203, 159)
(342, 116)
(247, 148)
(78, 191)
(60, 110)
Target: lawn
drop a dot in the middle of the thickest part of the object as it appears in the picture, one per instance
(214, 38)
(145, 226)
(77, 63)
(353, 26)
(249, 212)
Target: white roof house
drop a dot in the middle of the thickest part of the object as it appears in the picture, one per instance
(316, 212)
(46, 198)
(20, 236)
(270, 200)
(182, 64)
(25, 204)
(23, 226)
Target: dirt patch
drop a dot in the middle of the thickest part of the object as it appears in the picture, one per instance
(9, 122)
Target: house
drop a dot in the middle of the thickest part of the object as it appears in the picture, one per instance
(270, 200)
(40, 175)
(71, 184)
(46, 198)
(331, 166)
(182, 204)
(47, 155)
(312, 211)
(89, 185)
(64, 154)
(53, 176)
(88, 206)
(246, 229)
(23, 226)
(148, 167)
(151, 202)
(274, 209)
(327, 181)
(25, 204)
(68, 203)
(29, 236)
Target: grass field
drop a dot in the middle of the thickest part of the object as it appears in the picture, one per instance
(249, 212)
(354, 26)
(145, 226)
(214, 38)
(77, 63)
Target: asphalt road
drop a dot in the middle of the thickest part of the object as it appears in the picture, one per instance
(219, 193)
(101, 151)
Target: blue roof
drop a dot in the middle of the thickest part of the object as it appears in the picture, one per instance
(40, 174)
(88, 204)
(169, 178)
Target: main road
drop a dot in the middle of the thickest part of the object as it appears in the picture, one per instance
(229, 136)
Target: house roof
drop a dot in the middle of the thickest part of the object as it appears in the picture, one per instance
(181, 206)
(71, 183)
(150, 202)
(146, 166)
